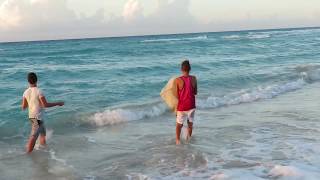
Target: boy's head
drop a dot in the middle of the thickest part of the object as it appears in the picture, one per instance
(185, 66)
(32, 78)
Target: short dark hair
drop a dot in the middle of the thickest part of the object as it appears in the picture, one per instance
(185, 66)
(32, 78)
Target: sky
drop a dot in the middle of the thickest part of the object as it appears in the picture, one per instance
(24, 20)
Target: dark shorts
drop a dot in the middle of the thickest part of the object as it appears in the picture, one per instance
(37, 128)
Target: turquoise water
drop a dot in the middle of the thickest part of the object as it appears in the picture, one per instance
(257, 92)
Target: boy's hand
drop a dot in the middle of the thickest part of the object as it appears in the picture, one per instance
(60, 103)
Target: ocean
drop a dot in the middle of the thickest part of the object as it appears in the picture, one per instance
(257, 113)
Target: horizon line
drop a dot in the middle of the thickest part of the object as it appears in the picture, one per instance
(146, 35)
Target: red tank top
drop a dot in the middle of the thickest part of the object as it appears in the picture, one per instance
(186, 100)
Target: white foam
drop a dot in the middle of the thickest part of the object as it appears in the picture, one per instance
(60, 168)
(249, 36)
(89, 177)
(161, 40)
(137, 176)
(258, 36)
(90, 139)
(125, 114)
(284, 171)
(176, 39)
(259, 93)
(301, 31)
(309, 72)
(231, 37)
(197, 38)
(54, 157)
(219, 176)
(38, 146)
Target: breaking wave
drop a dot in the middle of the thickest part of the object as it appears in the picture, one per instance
(247, 96)
(125, 114)
(112, 116)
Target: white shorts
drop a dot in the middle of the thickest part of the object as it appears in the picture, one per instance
(185, 115)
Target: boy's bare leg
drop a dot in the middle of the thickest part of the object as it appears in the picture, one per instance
(178, 132)
(190, 127)
(43, 140)
(31, 143)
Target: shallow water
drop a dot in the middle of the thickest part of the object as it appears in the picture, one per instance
(257, 118)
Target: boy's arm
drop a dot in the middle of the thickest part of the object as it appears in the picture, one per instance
(24, 103)
(46, 104)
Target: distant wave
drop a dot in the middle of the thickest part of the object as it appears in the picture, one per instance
(291, 32)
(175, 39)
(231, 37)
(308, 73)
(249, 36)
(258, 36)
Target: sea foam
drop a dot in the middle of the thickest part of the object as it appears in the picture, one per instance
(125, 114)
(258, 36)
(248, 36)
(280, 171)
(259, 93)
(231, 37)
(309, 72)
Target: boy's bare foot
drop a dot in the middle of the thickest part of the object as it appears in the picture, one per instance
(178, 142)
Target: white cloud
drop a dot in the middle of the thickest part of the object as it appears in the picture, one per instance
(253, 14)
(132, 9)
(9, 14)
(35, 14)
(38, 19)
(54, 19)
(38, 1)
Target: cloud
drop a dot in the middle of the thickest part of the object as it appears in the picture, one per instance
(9, 15)
(171, 16)
(35, 14)
(53, 19)
(42, 19)
(132, 9)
